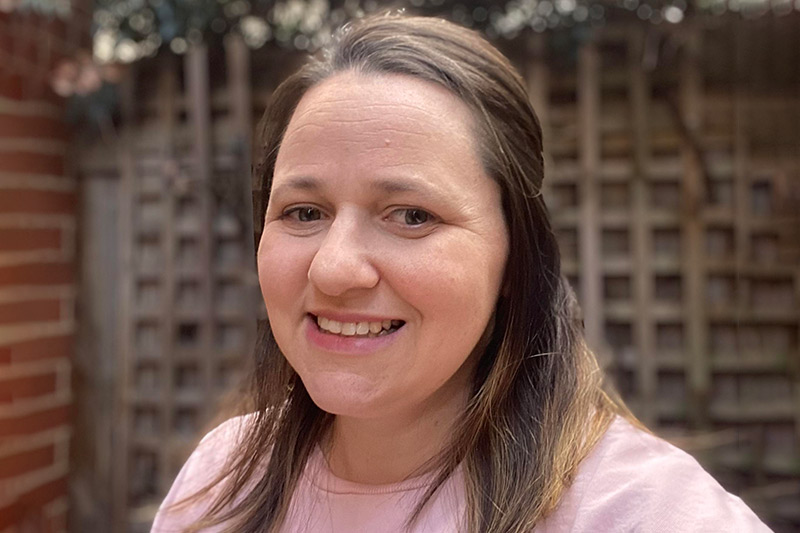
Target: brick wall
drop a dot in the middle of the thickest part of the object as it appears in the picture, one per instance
(37, 278)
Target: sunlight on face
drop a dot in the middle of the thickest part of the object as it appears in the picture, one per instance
(383, 247)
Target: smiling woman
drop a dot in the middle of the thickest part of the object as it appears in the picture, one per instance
(396, 221)
(425, 368)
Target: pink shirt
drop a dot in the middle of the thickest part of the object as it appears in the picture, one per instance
(631, 481)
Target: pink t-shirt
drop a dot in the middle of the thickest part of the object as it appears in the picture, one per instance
(631, 481)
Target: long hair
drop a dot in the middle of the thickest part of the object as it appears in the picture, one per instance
(536, 406)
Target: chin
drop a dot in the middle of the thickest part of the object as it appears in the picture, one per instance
(344, 397)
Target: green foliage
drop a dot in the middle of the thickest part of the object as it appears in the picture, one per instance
(126, 30)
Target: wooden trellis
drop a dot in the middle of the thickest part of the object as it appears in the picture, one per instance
(674, 191)
(172, 193)
(678, 221)
(189, 315)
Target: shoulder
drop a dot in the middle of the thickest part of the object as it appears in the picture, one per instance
(211, 454)
(634, 481)
(223, 438)
(202, 467)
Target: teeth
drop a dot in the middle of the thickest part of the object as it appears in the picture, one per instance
(349, 329)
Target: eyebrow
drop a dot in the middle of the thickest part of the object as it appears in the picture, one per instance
(302, 183)
(383, 185)
(394, 185)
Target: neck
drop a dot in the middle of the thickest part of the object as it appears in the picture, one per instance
(390, 449)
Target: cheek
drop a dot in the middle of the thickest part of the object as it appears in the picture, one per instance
(282, 271)
(454, 284)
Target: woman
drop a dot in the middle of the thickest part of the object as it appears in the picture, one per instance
(425, 368)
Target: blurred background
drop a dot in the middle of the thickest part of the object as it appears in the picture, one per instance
(128, 295)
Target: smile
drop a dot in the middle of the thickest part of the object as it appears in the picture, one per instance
(357, 329)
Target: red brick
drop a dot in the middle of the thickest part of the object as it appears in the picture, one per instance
(45, 493)
(30, 311)
(47, 95)
(27, 387)
(57, 523)
(40, 349)
(5, 356)
(22, 126)
(11, 85)
(12, 514)
(37, 274)
(27, 50)
(34, 422)
(36, 202)
(24, 239)
(27, 461)
(56, 27)
(5, 36)
(31, 163)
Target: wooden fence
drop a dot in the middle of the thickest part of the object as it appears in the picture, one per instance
(675, 191)
(177, 173)
(673, 181)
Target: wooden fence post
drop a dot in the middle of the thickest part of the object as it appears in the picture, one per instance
(693, 230)
(646, 372)
(589, 232)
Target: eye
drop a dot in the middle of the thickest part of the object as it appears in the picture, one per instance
(303, 213)
(416, 217)
(411, 216)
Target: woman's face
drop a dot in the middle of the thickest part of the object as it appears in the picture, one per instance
(383, 247)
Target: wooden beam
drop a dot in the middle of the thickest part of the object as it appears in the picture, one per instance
(589, 229)
(693, 268)
(96, 362)
(794, 166)
(168, 114)
(741, 181)
(538, 85)
(240, 101)
(199, 114)
(126, 342)
(241, 107)
(643, 293)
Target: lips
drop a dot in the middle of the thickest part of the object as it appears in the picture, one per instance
(347, 344)
(363, 328)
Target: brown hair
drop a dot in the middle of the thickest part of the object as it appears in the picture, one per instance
(537, 406)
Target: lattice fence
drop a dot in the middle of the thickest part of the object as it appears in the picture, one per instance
(676, 194)
(188, 299)
(674, 189)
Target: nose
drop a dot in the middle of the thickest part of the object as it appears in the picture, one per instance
(343, 261)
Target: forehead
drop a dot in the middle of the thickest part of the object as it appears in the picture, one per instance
(374, 118)
(398, 99)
